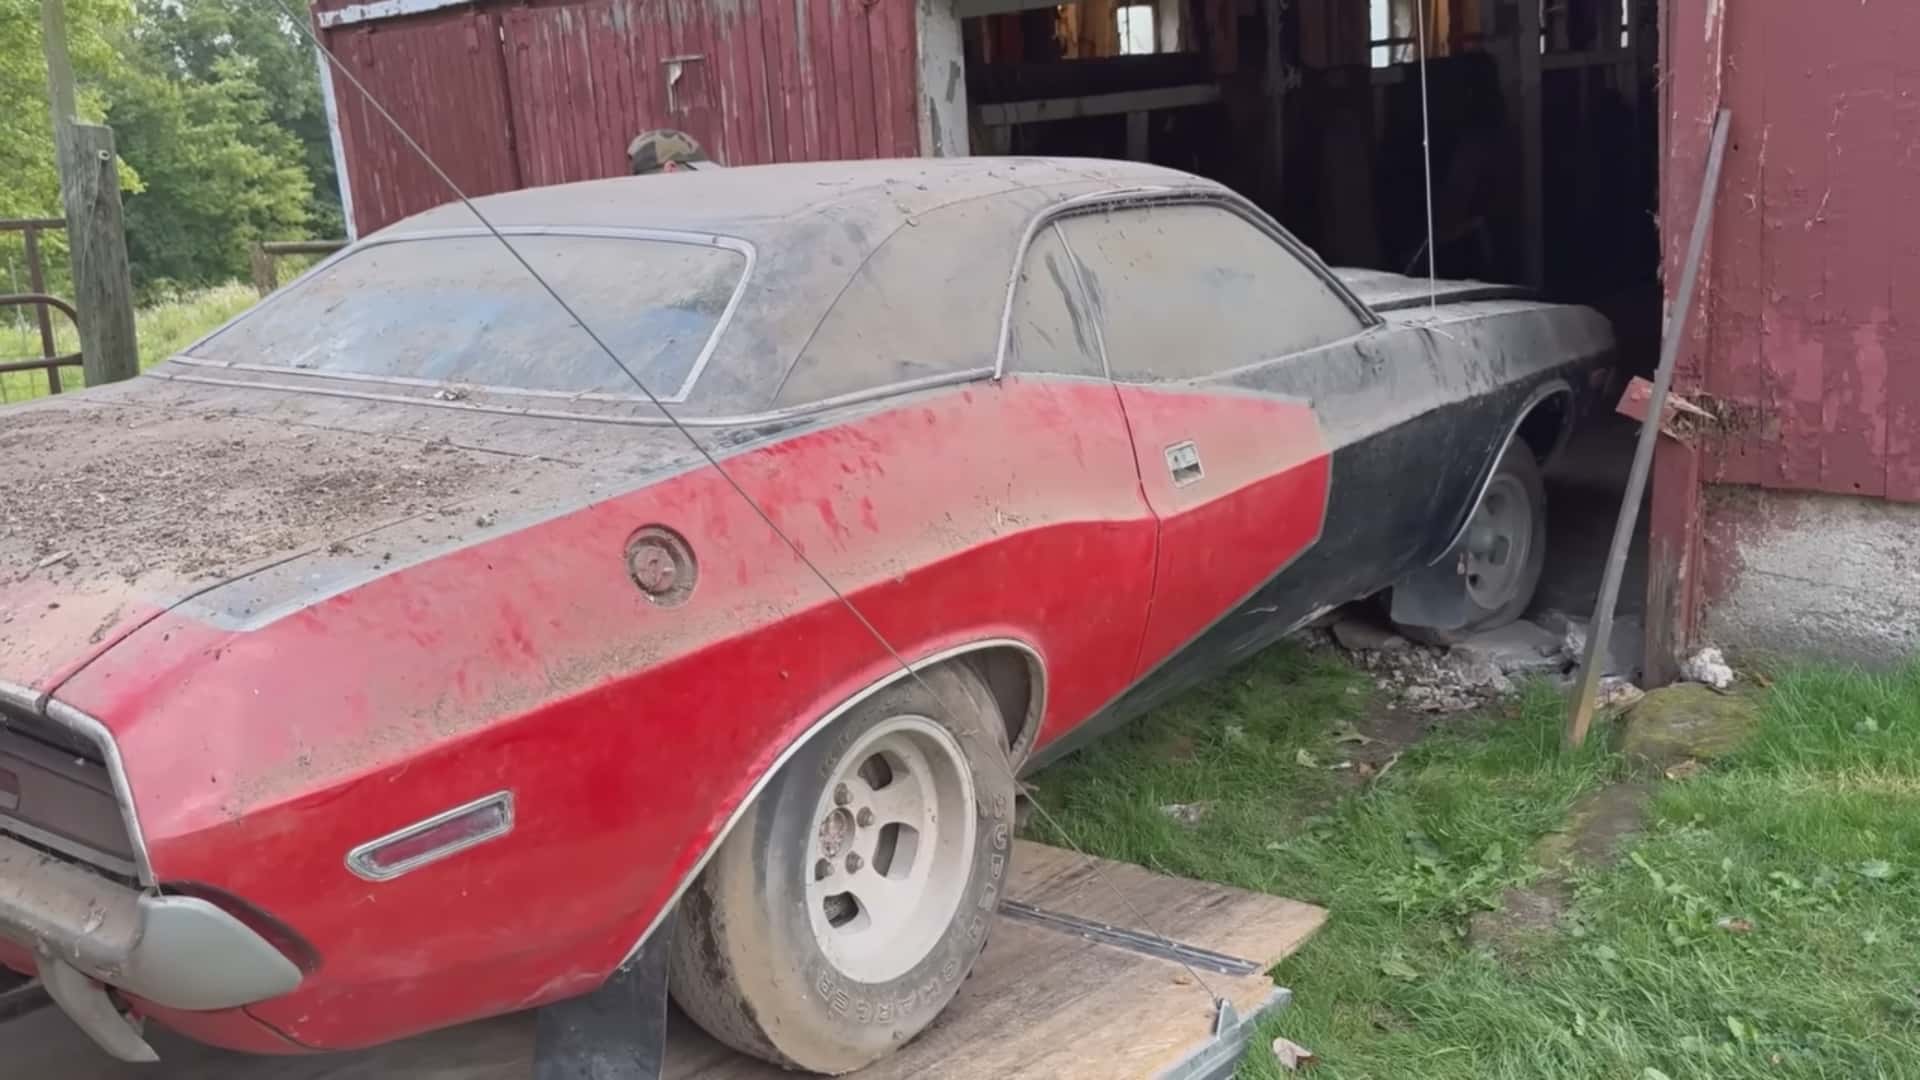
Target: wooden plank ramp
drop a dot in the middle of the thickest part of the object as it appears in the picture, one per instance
(1052, 997)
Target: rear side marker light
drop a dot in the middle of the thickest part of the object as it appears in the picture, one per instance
(439, 836)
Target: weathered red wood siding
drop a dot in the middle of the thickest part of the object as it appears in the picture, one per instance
(523, 94)
(1811, 334)
(1808, 333)
(441, 79)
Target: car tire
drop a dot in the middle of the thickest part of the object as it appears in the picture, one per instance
(1505, 547)
(843, 911)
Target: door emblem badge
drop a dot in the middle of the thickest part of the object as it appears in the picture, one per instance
(1183, 461)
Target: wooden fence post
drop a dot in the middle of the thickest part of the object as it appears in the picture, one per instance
(90, 194)
(264, 270)
(102, 282)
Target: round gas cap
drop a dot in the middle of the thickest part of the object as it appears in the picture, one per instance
(661, 564)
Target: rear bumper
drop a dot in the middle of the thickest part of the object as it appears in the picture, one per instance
(176, 951)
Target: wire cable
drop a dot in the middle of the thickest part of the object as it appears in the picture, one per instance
(1426, 159)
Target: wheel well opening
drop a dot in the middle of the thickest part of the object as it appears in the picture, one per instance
(1013, 677)
(1546, 425)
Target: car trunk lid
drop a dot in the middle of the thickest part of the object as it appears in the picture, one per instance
(111, 514)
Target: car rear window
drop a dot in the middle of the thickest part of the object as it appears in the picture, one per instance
(461, 309)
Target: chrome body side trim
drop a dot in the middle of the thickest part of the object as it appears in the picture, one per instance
(753, 793)
(360, 861)
(771, 416)
(1540, 394)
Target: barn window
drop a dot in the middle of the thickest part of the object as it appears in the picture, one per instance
(1134, 25)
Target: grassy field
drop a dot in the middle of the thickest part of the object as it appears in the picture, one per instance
(1765, 924)
(162, 328)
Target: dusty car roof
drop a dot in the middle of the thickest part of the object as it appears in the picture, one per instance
(863, 275)
(719, 199)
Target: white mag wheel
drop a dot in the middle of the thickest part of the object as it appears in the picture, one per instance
(890, 854)
(849, 902)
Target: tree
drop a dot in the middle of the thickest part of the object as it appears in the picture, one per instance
(192, 37)
(217, 173)
(217, 114)
(29, 181)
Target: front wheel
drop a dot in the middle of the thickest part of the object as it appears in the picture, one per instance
(1504, 549)
(842, 912)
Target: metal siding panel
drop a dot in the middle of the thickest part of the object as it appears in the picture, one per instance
(440, 78)
(1812, 345)
(852, 24)
(769, 119)
(818, 79)
(902, 85)
(586, 79)
(880, 75)
(846, 124)
(1731, 310)
(776, 31)
(1903, 290)
(692, 102)
(824, 98)
(1858, 208)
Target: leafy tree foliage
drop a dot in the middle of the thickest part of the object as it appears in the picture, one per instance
(216, 110)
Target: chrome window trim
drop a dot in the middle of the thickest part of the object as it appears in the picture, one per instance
(1191, 194)
(769, 416)
(1037, 708)
(358, 862)
(672, 236)
(43, 704)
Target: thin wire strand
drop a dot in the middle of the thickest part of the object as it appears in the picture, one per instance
(739, 490)
(1426, 158)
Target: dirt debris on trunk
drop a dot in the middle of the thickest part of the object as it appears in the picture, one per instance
(126, 492)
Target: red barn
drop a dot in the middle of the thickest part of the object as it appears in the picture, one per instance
(1568, 143)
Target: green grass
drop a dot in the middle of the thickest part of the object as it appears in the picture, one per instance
(162, 328)
(1811, 833)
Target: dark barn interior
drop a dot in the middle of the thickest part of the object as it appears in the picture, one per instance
(1544, 159)
(1544, 124)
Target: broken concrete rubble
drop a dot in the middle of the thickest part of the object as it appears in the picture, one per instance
(1625, 643)
(1709, 666)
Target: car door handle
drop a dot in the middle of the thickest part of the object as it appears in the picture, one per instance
(1183, 462)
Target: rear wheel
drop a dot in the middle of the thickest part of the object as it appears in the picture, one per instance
(841, 914)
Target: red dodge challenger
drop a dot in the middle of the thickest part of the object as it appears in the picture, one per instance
(387, 660)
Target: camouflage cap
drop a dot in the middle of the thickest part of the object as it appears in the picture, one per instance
(650, 150)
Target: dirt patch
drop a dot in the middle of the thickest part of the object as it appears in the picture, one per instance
(1595, 833)
(97, 491)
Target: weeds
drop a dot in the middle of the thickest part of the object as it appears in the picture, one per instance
(1765, 924)
(162, 328)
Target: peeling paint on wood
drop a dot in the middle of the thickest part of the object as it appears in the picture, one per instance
(545, 93)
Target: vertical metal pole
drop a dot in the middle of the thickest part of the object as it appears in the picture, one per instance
(37, 282)
(1581, 717)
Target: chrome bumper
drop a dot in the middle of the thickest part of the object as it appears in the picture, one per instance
(176, 951)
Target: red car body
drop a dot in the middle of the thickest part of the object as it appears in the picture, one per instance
(279, 612)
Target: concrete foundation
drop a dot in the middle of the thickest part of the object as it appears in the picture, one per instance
(1807, 575)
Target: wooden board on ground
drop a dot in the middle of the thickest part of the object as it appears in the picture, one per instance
(1043, 1002)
